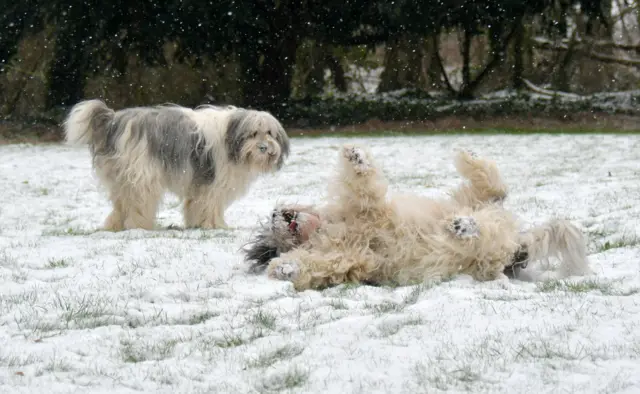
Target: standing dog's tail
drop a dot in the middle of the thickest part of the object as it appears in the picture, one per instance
(86, 121)
(561, 239)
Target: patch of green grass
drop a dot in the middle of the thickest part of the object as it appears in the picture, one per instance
(7, 260)
(178, 233)
(57, 365)
(84, 311)
(414, 294)
(385, 307)
(575, 287)
(264, 319)
(629, 241)
(271, 357)
(543, 349)
(229, 341)
(19, 360)
(504, 297)
(387, 329)
(157, 318)
(202, 317)
(348, 289)
(409, 299)
(386, 133)
(290, 379)
(137, 350)
(70, 231)
(597, 233)
(57, 263)
(444, 378)
(29, 298)
(338, 303)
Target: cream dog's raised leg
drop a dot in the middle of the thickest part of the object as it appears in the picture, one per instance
(484, 183)
(359, 188)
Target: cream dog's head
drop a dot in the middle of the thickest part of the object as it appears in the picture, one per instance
(289, 226)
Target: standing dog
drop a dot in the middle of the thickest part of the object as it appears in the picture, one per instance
(363, 235)
(208, 156)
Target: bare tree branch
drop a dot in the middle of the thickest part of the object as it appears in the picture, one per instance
(548, 45)
(495, 60)
(546, 92)
(436, 49)
(597, 43)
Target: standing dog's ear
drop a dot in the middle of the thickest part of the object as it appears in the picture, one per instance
(261, 251)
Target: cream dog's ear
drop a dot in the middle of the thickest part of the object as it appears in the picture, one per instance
(261, 252)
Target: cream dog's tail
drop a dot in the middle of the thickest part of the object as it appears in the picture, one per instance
(87, 123)
(561, 239)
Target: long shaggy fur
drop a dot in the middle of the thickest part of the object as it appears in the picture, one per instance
(364, 235)
(209, 156)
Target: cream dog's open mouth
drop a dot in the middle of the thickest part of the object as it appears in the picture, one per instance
(290, 217)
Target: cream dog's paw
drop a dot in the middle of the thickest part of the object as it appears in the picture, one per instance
(464, 227)
(358, 159)
(466, 155)
(284, 269)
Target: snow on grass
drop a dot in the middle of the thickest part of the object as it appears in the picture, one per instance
(170, 311)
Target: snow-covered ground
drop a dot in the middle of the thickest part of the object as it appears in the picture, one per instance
(168, 311)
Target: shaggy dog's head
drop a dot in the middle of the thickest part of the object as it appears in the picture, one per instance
(288, 227)
(256, 138)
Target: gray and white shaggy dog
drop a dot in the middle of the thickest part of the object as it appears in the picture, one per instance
(364, 235)
(208, 156)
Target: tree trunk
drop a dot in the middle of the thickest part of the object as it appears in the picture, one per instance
(14, 20)
(466, 91)
(518, 60)
(337, 72)
(389, 78)
(66, 76)
(313, 82)
(432, 75)
(413, 69)
(268, 74)
(598, 24)
(469, 85)
(562, 77)
(435, 40)
(402, 64)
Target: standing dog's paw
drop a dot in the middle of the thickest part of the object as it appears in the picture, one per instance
(284, 269)
(358, 159)
(464, 227)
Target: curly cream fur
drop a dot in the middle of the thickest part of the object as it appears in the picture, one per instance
(369, 236)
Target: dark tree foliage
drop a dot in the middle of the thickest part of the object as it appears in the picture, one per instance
(263, 35)
(17, 19)
(72, 49)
